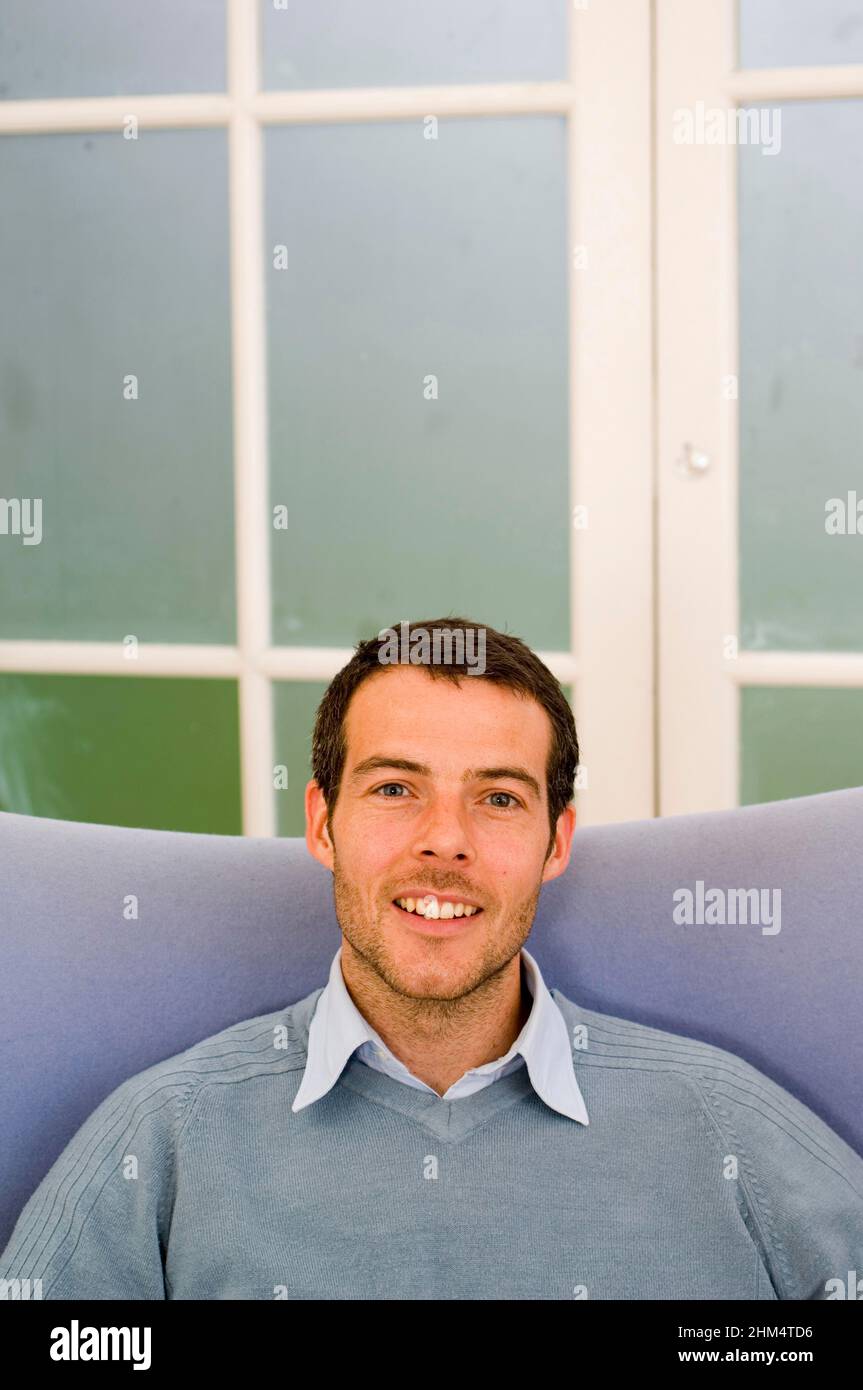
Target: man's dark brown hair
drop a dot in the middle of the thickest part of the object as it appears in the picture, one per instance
(508, 662)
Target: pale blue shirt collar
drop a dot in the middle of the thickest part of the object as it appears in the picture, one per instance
(338, 1029)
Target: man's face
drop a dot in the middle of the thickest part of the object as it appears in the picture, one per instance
(454, 828)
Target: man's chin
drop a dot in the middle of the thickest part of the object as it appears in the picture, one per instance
(430, 968)
(422, 976)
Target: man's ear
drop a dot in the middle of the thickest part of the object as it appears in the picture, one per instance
(318, 841)
(557, 861)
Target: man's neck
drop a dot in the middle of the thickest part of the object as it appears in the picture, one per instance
(438, 1041)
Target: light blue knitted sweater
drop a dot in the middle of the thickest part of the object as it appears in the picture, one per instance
(696, 1178)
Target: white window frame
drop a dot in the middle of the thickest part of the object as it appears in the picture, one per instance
(606, 101)
(700, 678)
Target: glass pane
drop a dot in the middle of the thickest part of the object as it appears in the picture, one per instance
(114, 281)
(95, 48)
(122, 751)
(791, 33)
(798, 741)
(400, 43)
(295, 704)
(418, 377)
(801, 382)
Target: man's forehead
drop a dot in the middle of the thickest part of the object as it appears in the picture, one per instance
(436, 721)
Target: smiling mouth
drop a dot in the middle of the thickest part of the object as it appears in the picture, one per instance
(430, 909)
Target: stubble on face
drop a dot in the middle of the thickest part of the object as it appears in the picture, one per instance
(430, 986)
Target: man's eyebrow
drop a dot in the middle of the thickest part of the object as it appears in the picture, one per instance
(473, 774)
(497, 774)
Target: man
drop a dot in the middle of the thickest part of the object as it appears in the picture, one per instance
(425, 1126)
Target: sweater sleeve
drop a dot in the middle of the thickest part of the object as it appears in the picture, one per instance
(803, 1183)
(97, 1225)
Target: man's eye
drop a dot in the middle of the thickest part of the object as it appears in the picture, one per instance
(384, 788)
(381, 791)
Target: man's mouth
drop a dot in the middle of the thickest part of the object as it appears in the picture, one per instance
(436, 908)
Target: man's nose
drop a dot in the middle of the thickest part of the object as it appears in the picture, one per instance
(443, 832)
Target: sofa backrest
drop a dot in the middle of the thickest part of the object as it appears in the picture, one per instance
(122, 947)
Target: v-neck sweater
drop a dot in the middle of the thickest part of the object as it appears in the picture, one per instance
(697, 1178)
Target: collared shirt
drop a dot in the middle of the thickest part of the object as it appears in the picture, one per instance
(338, 1030)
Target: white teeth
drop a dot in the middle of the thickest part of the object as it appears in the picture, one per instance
(432, 910)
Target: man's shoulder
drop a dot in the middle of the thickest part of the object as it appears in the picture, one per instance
(274, 1042)
(733, 1093)
(614, 1041)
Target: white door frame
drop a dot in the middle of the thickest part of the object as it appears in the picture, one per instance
(697, 418)
(699, 669)
(611, 399)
